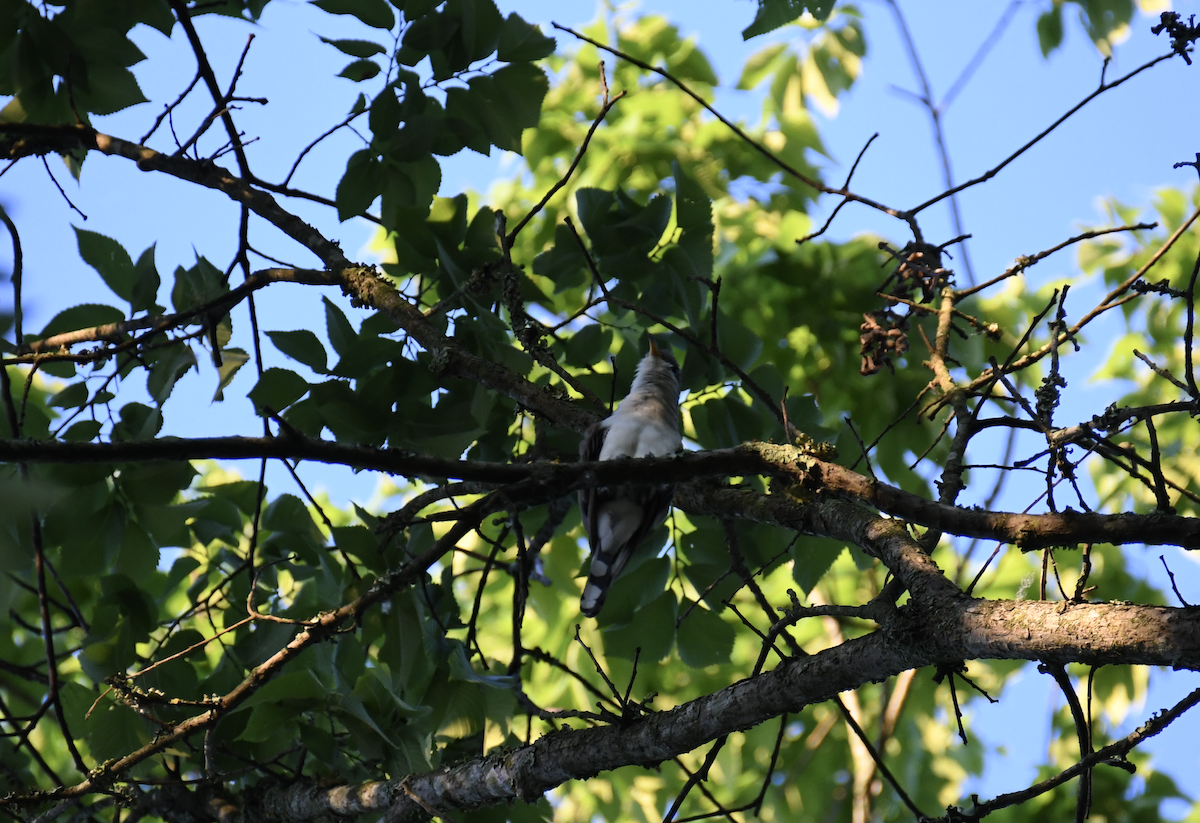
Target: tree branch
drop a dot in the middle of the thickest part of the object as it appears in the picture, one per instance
(978, 629)
(1028, 531)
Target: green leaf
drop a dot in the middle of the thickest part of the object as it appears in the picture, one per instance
(266, 720)
(110, 89)
(187, 638)
(356, 48)
(773, 14)
(360, 70)
(507, 102)
(145, 284)
(737, 342)
(408, 190)
(359, 186)
(110, 729)
(385, 114)
(522, 42)
(693, 214)
(196, 286)
(643, 580)
(427, 34)
(320, 743)
(589, 345)
(303, 346)
(133, 602)
(82, 431)
(167, 366)
(138, 422)
(277, 389)
(156, 483)
(109, 258)
(460, 669)
(1050, 29)
(375, 13)
(1107, 22)
(243, 493)
(231, 361)
(288, 514)
(760, 64)
(704, 639)
(652, 630)
(71, 397)
(341, 334)
(358, 541)
(416, 9)
(478, 33)
(297, 689)
(812, 558)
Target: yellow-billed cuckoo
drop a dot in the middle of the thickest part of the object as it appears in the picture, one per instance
(619, 518)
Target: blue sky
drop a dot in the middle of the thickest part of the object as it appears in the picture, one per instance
(1123, 144)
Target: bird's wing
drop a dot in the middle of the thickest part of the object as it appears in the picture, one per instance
(589, 450)
(607, 562)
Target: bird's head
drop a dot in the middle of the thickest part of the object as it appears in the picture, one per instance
(663, 355)
(659, 369)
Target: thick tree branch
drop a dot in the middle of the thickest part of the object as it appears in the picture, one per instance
(967, 628)
(1029, 531)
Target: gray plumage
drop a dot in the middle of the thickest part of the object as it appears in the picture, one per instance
(619, 518)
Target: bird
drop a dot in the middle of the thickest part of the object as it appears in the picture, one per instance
(619, 518)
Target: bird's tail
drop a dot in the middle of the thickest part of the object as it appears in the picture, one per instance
(601, 574)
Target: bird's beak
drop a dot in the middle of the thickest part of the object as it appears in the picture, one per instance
(654, 350)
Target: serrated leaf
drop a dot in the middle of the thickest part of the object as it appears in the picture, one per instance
(156, 483)
(375, 13)
(1050, 29)
(479, 25)
(652, 630)
(302, 346)
(589, 345)
(773, 14)
(145, 283)
(359, 186)
(737, 342)
(693, 214)
(341, 334)
(72, 396)
(277, 389)
(167, 367)
(356, 48)
(85, 316)
(110, 729)
(243, 493)
(109, 259)
(297, 689)
(522, 42)
(82, 431)
(288, 514)
(408, 190)
(360, 70)
(507, 102)
(196, 286)
(759, 65)
(231, 361)
(138, 422)
(385, 115)
(704, 639)
(812, 558)
(111, 88)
